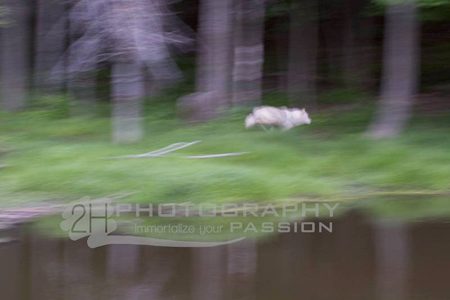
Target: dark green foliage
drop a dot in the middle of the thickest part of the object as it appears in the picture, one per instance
(51, 107)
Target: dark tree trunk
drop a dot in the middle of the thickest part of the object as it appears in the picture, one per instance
(81, 86)
(302, 65)
(281, 41)
(50, 45)
(367, 53)
(83, 89)
(400, 70)
(127, 92)
(357, 52)
(213, 65)
(333, 49)
(214, 43)
(14, 56)
(349, 59)
(248, 52)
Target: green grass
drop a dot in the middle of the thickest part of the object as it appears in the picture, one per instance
(63, 159)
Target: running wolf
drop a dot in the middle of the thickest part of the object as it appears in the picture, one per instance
(284, 117)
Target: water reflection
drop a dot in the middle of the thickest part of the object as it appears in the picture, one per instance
(361, 259)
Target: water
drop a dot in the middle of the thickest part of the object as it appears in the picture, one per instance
(362, 259)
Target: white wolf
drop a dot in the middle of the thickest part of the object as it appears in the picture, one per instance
(273, 116)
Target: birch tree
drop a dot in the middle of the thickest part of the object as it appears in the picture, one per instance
(128, 90)
(400, 69)
(131, 35)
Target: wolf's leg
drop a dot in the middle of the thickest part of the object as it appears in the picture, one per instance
(262, 126)
(287, 127)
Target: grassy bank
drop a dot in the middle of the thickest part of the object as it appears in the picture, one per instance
(62, 159)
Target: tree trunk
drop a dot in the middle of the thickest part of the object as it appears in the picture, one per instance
(367, 53)
(127, 92)
(281, 41)
(333, 50)
(14, 59)
(349, 59)
(81, 86)
(302, 65)
(357, 52)
(248, 52)
(400, 70)
(213, 65)
(50, 45)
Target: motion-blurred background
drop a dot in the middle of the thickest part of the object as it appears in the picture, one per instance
(86, 82)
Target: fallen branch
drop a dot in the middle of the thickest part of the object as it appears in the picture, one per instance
(178, 146)
(215, 155)
(160, 152)
(171, 148)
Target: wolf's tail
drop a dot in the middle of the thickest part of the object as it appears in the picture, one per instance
(250, 121)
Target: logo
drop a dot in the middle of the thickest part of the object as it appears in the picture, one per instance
(95, 220)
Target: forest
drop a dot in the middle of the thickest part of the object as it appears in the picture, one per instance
(224, 149)
(89, 87)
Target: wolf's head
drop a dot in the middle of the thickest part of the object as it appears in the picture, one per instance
(299, 116)
(250, 121)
